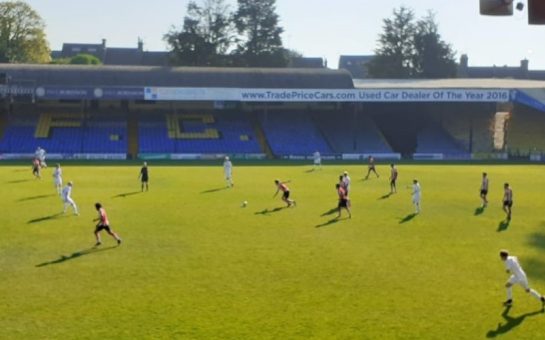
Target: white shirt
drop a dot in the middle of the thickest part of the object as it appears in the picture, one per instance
(317, 157)
(508, 194)
(484, 185)
(66, 192)
(416, 190)
(512, 264)
(227, 166)
(57, 173)
(346, 181)
(40, 153)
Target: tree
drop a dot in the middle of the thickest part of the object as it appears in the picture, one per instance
(411, 50)
(260, 44)
(84, 59)
(206, 37)
(433, 58)
(22, 36)
(395, 54)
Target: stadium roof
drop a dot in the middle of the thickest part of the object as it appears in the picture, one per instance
(75, 75)
(448, 84)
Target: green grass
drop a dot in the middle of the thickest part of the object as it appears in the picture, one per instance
(196, 265)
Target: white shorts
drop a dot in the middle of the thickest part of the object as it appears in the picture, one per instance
(513, 280)
(317, 162)
(228, 174)
(416, 199)
(68, 200)
(58, 182)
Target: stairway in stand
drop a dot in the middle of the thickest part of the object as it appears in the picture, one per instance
(260, 135)
(132, 142)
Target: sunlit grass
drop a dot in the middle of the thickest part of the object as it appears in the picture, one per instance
(196, 264)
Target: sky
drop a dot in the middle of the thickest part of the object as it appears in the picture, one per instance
(316, 28)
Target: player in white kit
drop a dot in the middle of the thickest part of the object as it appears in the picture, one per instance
(416, 193)
(228, 171)
(317, 160)
(40, 154)
(518, 276)
(67, 199)
(57, 178)
(346, 181)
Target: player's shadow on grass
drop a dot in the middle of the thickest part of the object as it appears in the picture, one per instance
(330, 212)
(479, 211)
(537, 240)
(19, 181)
(31, 198)
(266, 211)
(503, 225)
(385, 196)
(75, 255)
(330, 222)
(407, 218)
(211, 191)
(45, 218)
(127, 194)
(511, 322)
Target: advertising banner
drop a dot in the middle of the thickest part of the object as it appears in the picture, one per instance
(89, 93)
(326, 95)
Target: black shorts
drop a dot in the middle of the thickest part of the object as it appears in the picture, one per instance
(145, 179)
(484, 192)
(508, 204)
(286, 194)
(392, 182)
(103, 227)
(343, 203)
(371, 168)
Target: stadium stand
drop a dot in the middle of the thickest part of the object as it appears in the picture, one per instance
(120, 109)
(432, 138)
(2, 123)
(470, 125)
(101, 135)
(19, 135)
(347, 133)
(525, 131)
(368, 137)
(293, 133)
(399, 124)
(105, 135)
(228, 132)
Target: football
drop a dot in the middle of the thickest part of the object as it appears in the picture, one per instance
(244, 204)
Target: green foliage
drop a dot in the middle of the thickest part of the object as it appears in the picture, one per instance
(84, 59)
(60, 61)
(195, 265)
(206, 37)
(433, 58)
(411, 50)
(396, 52)
(261, 44)
(22, 36)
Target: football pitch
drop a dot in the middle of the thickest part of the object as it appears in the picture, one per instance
(195, 264)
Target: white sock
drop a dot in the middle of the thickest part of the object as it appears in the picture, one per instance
(509, 293)
(535, 294)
